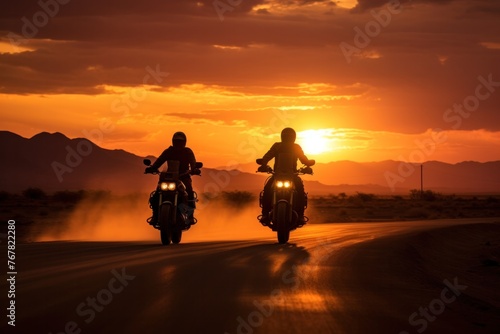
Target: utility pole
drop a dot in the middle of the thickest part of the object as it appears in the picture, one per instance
(422, 181)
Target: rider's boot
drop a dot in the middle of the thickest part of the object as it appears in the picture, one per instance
(302, 220)
(264, 219)
(192, 220)
(153, 220)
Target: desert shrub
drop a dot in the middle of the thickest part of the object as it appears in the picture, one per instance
(430, 195)
(332, 198)
(238, 198)
(415, 194)
(67, 196)
(435, 207)
(427, 195)
(34, 193)
(364, 197)
(4, 195)
(208, 196)
(342, 213)
(489, 199)
(417, 213)
(96, 194)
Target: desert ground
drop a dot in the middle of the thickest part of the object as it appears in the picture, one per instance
(90, 264)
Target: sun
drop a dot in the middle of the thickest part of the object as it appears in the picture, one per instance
(315, 141)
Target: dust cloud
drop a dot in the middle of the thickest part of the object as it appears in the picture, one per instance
(103, 218)
(219, 220)
(123, 218)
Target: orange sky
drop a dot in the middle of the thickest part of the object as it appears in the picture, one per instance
(128, 74)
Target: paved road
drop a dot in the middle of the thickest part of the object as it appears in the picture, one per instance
(331, 278)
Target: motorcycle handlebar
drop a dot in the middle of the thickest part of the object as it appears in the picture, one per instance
(269, 170)
(192, 172)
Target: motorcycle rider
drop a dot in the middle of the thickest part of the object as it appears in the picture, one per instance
(287, 145)
(187, 161)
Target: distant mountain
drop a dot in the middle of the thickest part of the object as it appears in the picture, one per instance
(384, 176)
(468, 176)
(55, 162)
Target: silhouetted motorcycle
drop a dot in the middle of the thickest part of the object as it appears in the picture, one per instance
(283, 217)
(174, 210)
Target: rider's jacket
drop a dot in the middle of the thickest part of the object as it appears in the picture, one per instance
(184, 155)
(285, 148)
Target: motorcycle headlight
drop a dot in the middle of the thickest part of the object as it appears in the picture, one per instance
(167, 186)
(283, 184)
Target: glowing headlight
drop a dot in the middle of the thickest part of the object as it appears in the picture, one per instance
(283, 184)
(167, 186)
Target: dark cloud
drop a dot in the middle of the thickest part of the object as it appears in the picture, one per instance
(485, 6)
(364, 5)
(82, 8)
(90, 44)
(302, 2)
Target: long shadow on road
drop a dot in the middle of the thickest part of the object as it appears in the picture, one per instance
(207, 291)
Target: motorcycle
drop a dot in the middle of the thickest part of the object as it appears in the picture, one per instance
(173, 204)
(283, 218)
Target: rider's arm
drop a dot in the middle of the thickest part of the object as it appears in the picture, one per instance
(270, 154)
(161, 159)
(191, 159)
(300, 154)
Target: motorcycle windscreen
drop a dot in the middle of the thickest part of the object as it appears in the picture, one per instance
(286, 163)
(172, 168)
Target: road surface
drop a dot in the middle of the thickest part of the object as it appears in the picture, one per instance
(404, 277)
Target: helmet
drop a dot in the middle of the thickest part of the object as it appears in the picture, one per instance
(179, 139)
(288, 135)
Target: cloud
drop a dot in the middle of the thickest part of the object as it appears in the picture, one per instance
(426, 60)
(478, 6)
(364, 5)
(212, 118)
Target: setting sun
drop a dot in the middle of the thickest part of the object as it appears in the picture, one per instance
(315, 141)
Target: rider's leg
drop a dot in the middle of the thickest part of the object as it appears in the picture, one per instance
(153, 204)
(267, 201)
(300, 199)
(191, 203)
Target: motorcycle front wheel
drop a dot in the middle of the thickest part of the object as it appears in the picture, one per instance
(164, 217)
(177, 231)
(281, 222)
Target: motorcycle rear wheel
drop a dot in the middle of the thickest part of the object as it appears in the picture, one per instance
(164, 216)
(283, 231)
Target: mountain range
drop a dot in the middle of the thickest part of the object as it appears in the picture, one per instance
(55, 162)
